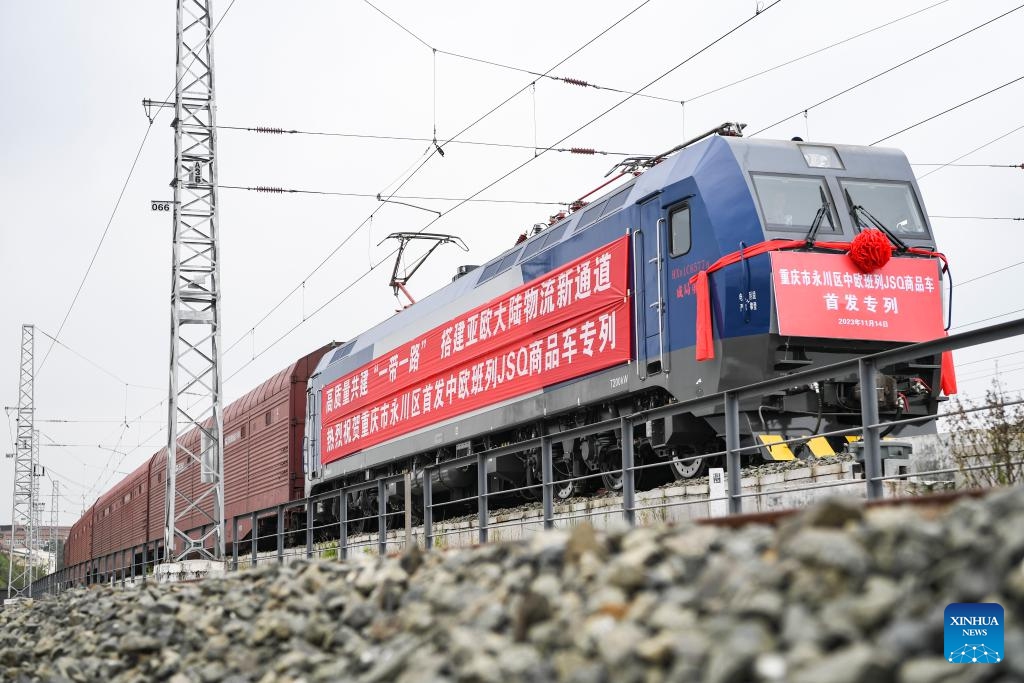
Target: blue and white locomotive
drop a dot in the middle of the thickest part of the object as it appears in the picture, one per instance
(706, 215)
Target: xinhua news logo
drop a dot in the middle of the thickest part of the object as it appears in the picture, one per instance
(973, 633)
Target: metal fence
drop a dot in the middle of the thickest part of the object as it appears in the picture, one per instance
(292, 529)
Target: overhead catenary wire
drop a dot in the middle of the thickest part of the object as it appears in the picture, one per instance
(509, 173)
(990, 273)
(274, 130)
(430, 154)
(970, 152)
(951, 165)
(990, 358)
(816, 52)
(96, 365)
(671, 100)
(979, 218)
(96, 251)
(953, 108)
(438, 149)
(887, 71)
(985, 320)
(705, 48)
(265, 189)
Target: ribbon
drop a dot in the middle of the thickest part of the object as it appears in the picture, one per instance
(702, 288)
(948, 374)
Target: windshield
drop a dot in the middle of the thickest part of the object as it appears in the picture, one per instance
(891, 203)
(791, 202)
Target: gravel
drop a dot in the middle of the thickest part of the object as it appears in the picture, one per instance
(834, 594)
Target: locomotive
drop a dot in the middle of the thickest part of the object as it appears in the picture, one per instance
(715, 265)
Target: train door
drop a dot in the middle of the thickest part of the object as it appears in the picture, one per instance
(650, 244)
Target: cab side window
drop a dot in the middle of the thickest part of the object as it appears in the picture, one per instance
(679, 231)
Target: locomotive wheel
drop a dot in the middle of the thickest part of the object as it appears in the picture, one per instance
(564, 490)
(611, 460)
(689, 469)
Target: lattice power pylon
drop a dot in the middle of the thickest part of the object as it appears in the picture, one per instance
(194, 514)
(54, 518)
(37, 505)
(19, 583)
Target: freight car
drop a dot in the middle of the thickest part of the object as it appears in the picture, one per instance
(263, 437)
(718, 264)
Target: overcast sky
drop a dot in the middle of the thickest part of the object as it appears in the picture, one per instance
(73, 76)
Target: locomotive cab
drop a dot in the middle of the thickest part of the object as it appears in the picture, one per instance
(786, 213)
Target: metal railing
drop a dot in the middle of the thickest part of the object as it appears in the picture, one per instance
(292, 530)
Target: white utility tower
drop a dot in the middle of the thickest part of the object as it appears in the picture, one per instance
(37, 503)
(54, 518)
(19, 581)
(194, 512)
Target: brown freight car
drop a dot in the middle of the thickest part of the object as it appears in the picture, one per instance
(263, 437)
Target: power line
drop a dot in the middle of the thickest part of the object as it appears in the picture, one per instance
(297, 287)
(479, 60)
(99, 245)
(967, 154)
(991, 272)
(615, 106)
(979, 218)
(280, 190)
(506, 175)
(886, 71)
(435, 149)
(95, 420)
(983, 320)
(562, 79)
(399, 25)
(815, 52)
(272, 130)
(674, 101)
(984, 374)
(96, 365)
(439, 148)
(952, 165)
(322, 306)
(954, 107)
(982, 360)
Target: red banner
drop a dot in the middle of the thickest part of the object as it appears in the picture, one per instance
(566, 324)
(826, 295)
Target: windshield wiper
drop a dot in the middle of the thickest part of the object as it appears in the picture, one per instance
(856, 211)
(823, 210)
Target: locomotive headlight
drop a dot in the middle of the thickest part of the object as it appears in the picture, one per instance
(820, 156)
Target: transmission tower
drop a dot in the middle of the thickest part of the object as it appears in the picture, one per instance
(54, 518)
(195, 468)
(37, 505)
(19, 582)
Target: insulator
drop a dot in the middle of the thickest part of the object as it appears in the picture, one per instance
(576, 81)
(268, 129)
(577, 205)
(582, 150)
(557, 217)
(272, 190)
